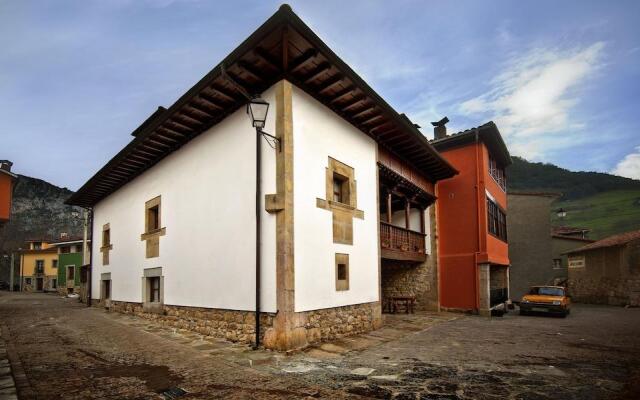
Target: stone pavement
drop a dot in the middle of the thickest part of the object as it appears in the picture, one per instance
(7, 384)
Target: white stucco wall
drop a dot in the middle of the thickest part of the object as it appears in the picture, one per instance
(319, 133)
(208, 208)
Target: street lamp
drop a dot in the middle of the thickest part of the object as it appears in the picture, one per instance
(257, 110)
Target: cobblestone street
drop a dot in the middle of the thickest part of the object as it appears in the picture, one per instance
(64, 350)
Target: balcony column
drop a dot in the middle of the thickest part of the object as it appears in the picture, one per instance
(389, 211)
(407, 212)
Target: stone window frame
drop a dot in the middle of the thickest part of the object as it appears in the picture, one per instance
(40, 270)
(557, 263)
(343, 213)
(105, 277)
(342, 284)
(107, 246)
(151, 235)
(147, 305)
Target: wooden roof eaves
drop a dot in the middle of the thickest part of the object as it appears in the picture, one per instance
(206, 81)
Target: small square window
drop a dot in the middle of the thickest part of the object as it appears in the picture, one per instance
(54, 263)
(27, 281)
(342, 272)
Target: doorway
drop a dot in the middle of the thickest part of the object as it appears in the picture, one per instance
(39, 284)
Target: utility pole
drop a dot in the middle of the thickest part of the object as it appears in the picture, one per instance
(85, 247)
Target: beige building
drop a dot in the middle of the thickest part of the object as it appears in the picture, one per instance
(39, 267)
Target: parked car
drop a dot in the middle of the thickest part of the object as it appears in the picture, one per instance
(546, 299)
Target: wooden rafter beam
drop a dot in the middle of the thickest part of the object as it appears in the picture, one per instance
(366, 111)
(210, 101)
(318, 72)
(264, 55)
(331, 83)
(342, 94)
(223, 93)
(352, 103)
(303, 60)
(251, 70)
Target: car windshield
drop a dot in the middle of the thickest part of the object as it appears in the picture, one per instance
(547, 291)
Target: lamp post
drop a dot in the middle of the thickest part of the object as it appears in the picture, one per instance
(257, 110)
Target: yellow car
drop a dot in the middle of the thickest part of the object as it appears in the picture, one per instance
(547, 299)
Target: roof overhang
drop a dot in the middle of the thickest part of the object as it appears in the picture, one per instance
(487, 133)
(284, 47)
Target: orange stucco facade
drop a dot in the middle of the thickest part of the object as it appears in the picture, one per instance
(464, 240)
(6, 190)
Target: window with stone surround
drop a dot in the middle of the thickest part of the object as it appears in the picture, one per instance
(341, 200)
(106, 243)
(342, 272)
(153, 227)
(557, 263)
(152, 290)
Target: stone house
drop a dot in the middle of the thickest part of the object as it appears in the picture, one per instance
(279, 234)
(38, 267)
(530, 242)
(606, 271)
(70, 262)
(473, 251)
(563, 240)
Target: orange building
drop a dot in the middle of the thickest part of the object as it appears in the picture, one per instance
(6, 190)
(473, 253)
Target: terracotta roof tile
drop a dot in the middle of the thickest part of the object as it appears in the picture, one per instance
(615, 240)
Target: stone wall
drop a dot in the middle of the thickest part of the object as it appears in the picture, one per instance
(332, 323)
(611, 275)
(233, 325)
(407, 279)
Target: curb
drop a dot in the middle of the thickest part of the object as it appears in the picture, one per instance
(16, 384)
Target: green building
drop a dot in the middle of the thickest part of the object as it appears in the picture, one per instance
(69, 265)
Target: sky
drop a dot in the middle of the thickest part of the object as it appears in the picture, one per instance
(561, 79)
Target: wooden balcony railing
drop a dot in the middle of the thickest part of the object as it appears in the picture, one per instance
(401, 244)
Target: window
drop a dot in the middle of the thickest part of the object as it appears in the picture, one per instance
(342, 272)
(54, 283)
(497, 173)
(153, 218)
(106, 243)
(37, 245)
(71, 272)
(54, 263)
(496, 220)
(154, 289)
(106, 289)
(39, 266)
(340, 189)
(106, 237)
(153, 227)
(27, 281)
(557, 263)
(65, 249)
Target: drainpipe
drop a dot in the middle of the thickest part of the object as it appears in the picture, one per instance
(258, 233)
(89, 211)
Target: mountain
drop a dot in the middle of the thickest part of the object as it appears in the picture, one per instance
(606, 204)
(529, 176)
(38, 212)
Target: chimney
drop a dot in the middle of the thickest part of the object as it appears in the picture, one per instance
(439, 128)
(6, 165)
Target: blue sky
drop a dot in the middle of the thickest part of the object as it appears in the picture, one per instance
(561, 79)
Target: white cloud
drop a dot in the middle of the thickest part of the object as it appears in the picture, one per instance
(531, 100)
(629, 166)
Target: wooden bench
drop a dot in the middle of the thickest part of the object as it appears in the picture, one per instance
(395, 304)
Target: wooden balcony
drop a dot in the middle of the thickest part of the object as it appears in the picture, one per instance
(402, 244)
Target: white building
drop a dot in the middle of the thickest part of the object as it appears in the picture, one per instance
(176, 207)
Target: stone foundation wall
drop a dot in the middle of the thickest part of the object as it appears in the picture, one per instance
(333, 323)
(406, 279)
(615, 292)
(498, 277)
(233, 325)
